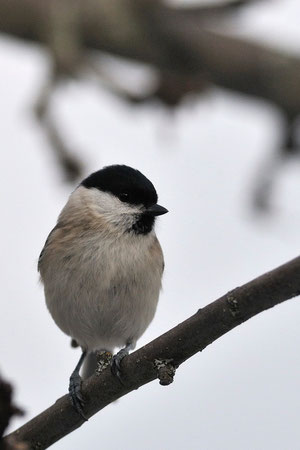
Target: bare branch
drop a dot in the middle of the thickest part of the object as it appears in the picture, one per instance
(170, 350)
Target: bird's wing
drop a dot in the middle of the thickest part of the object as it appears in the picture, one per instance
(45, 246)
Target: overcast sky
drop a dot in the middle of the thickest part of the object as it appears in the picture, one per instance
(243, 391)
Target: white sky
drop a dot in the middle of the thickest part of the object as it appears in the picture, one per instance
(243, 391)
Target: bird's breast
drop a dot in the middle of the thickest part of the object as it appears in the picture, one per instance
(105, 290)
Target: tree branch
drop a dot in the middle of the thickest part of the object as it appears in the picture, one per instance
(172, 348)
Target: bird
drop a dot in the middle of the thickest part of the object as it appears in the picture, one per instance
(102, 267)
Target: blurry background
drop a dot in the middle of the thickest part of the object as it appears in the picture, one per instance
(224, 164)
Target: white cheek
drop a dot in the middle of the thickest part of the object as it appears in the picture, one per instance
(108, 206)
(107, 203)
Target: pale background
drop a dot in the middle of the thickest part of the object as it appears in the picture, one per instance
(243, 391)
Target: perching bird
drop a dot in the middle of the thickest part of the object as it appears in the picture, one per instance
(102, 265)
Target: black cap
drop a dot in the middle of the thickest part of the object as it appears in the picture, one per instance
(126, 183)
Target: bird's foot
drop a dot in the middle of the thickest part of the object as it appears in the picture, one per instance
(76, 394)
(116, 363)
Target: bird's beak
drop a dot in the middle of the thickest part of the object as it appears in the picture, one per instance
(156, 210)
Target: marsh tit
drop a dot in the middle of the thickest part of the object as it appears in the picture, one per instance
(102, 265)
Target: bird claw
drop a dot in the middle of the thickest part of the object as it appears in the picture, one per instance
(116, 364)
(76, 394)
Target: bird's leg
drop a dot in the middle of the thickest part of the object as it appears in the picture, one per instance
(75, 387)
(117, 359)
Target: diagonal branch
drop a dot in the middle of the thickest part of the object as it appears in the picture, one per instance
(177, 345)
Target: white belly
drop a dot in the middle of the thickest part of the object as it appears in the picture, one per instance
(106, 299)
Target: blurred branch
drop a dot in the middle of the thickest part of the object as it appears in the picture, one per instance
(70, 164)
(187, 57)
(170, 87)
(271, 167)
(214, 11)
(7, 411)
(160, 357)
(166, 38)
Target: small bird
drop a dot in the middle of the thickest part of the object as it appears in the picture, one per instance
(102, 266)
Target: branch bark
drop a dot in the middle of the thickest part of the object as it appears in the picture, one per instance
(175, 347)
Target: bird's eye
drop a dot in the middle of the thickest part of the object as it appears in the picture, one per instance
(124, 197)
